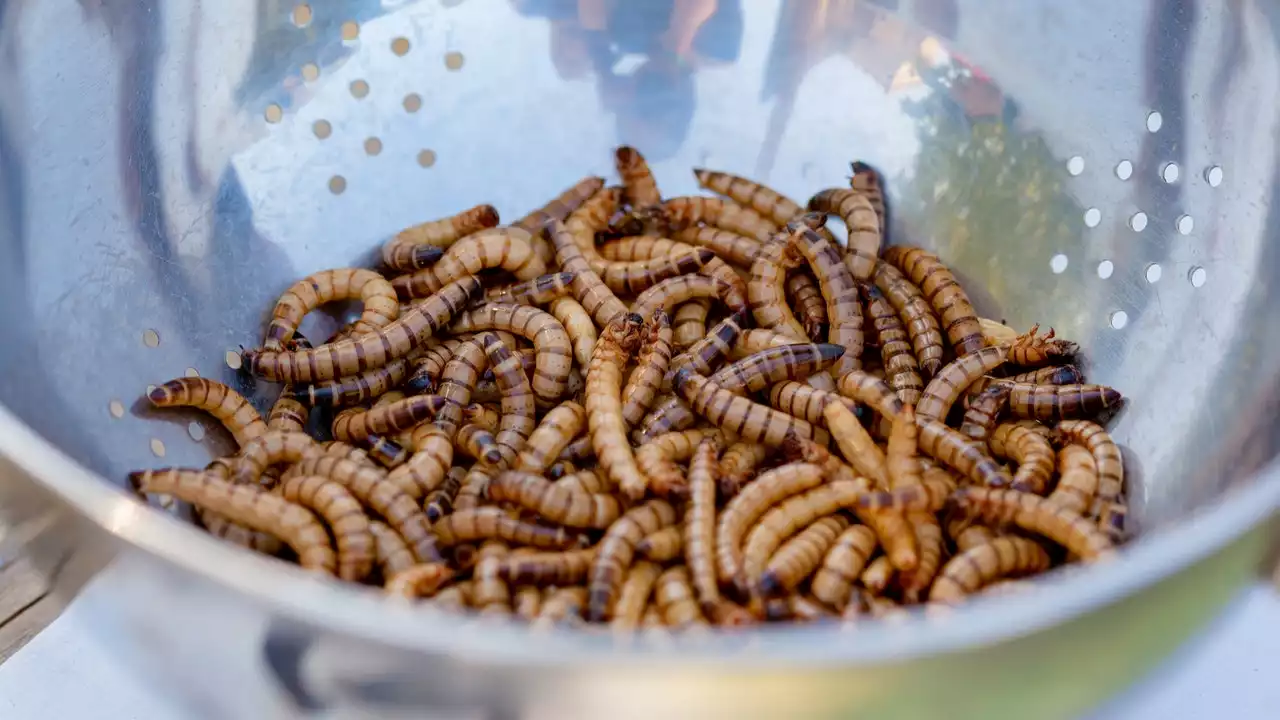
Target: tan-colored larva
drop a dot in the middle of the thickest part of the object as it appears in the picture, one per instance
(651, 366)
(1077, 479)
(539, 291)
(604, 406)
(633, 598)
(929, 495)
(345, 517)
(486, 416)
(371, 350)
(222, 527)
(419, 581)
(844, 310)
(900, 454)
(901, 368)
(843, 565)
(1107, 505)
(431, 459)
(287, 414)
(684, 212)
(960, 454)
(455, 598)
(767, 292)
(862, 223)
(707, 352)
(470, 495)
(944, 294)
(439, 502)
(804, 401)
(1051, 403)
(558, 428)
(551, 342)
(379, 298)
(616, 552)
(676, 600)
(559, 209)
(639, 187)
(1032, 452)
(749, 421)
(731, 246)
(421, 245)
(391, 552)
(766, 201)
(427, 369)
(950, 382)
(386, 419)
(249, 506)
(459, 381)
(805, 296)
(737, 465)
(663, 546)
(551, 568)
(983, 413)
(669, 293)
(855, 444)
(800, 556)
(526, 602)
(490, 593)
(896, 534)
(972, 569)
(1033, 513)
(916, 313)
(561, 606)
(637, 276)
(753, 341)
(700, 521)
(689, 325)
(275, 447)
(1032, 350)
(226, 405)
(784, 520)
(871, 391)
(867, 181)
(519, 408)
(659, 458)
(742, 511)
(878, 575)
(967, 535)
(478, 443)
(554, 502)
(930, 546)
(589, 290)
(579, 325)
(485, 523)
(510, 249)
(588, 481)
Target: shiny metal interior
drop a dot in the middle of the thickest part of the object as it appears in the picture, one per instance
(168, 167)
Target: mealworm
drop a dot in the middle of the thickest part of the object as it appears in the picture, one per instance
(1035, 514)
(508, 248)
(916, 313)
(604, 406)
(658, 459)
(984, 410)
(470, 495)
(551, 568)
(287, 414)
(731, 246)
(1077, 479)
(560, 469)
(577, 450)
(929, 495)
(900, 454)
(388, 419)
(944, 294)
(766, 201)
(426, 370)
(372, 487)
(488, 523)
(1106, 454)
(896, 534)
(803, 294)
(439, 502)
(808, 451)
(1051, 403)
(747, 420)
(800, 556)
(871, 391)
(676, 600)
(369, 351)
(537, 291)
(616, 551)
(960, 453)
(669, 293)
(929, 544)
(226, 405)
(700, 521)
(995, 333)
(387, 453)
(1059, 375)
(689, 324)
(275, 447)
(431, 459)
(969, 571)
(753, 341)
(458, 382)
(900, 365)
(743, 510)
(519, 409)
(561, 606)
(863, 227)
(562, 205)
(804, 401)
(842, 565)
(423, 244)
(390, 550)
(844, 311)
(663, 546)
(950, 382)
(356, 389)
(683, 212)
(555, 503)
(855, 444)
(704, 354)
(588, 481)
(222, 527)
(878, 575)
(489, 592)
(418, 581)
(637, 276)
(554, 352)
(633, 598)
(455, 598)
(767, 292)
(526, 602)
(655, 356)
(868, 182)
(1032, 452)
(339, 508)
(639, 187)
(248, 506)
(558, 428)
(785, 519)
(967, 535)
(486, 416)
(737, 465)
(589, 290)
(1032, 350)
(477, 442)
(379, 299)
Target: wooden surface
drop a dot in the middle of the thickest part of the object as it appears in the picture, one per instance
(25, 607)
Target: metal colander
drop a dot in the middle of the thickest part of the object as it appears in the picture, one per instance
(168, 167)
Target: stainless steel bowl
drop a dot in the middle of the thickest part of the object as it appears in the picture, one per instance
(167, 167)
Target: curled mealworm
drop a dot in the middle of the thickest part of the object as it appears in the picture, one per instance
(867, 181)
(785, 519)
(554, 351)
(510, 249)
(1032, 350)
(589, 290)
(950, 382)
(345, 517)
(658, 458)
(843, 565)
(604, 406)
(663, 546)
(1035, 514)
(747, 420)
(871, 391)
(700, 521)
(537, 291)
(1107, 505)
(388, 419)
(1032, 452)
(916, 313)
(731, 246)
(226, 405)
(742, 511)
(470, 495)
(555, 503)
(960, 454)
(766, 201)
(737, 465)
(800, 556)
(1051, 403)
(616, 551)
(287, 414)
(943, 292)
(767, 292)
(683, 212)
(1077, 479)
(270, 449)
(844, 311)
(862, 223)
(671, 292)
(655, 356)
(418, 581)
(983, 413)
(804, 295)
(431, 459)
(969, 571)
(901, 368)
(519, 409)
(421, 245)
(477, 442)
(558, 428)
(379, 299)
(689, 325)
(494, 523)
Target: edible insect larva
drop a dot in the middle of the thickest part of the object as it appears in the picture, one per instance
(494, 523)
(916, 313)
(765, 491)
(900, 454)
(414, 247)
(871, 391)
(700, 521)
(944, 294)
(637, 276)
(538, 291)
(510, 249)
(753, 341)
(526, 602)
(634, 595)
(659, 459)
(767, 292)
(390, 550)
(579, 325)
(800, 556)
(356, 389)
(855, 444)
(564, 605)
(588, 481)
(379, 299)
(689, 325)
(731, 246)
(867, 181)
(1035, 514)
(684, 212)
(1059, 375)
(388, 419)
(345, 517)
(472, 493)
(489, 592)
(577, 450)
(967, 535)
(486, 416)
(960, 454)
(387, 453)
(862, 223)
(1077, 479)
(552, 568)
(551, 342)
(287, 414)
(616, 552)
(1051, 403)
(639, 188)
(455, 598)
(555, 503)
(811, 311)
(427, 369)
(984, 410)
(439, 502)
(604, 406)
(560, 468)
(843, 565)
(996, 333)
(950, 382)
(785, 519)
(458, 382)
(676, 600)
(930, 495)
(737, 465)
(804, 401)
(431, 459)
(780, 363)
(669, 293)
(275, 447)
(929, 542)
(519, 409)
(651, 366)
(558, 428)
(419, 581)
(663, 546)
(747, 420)
(769, 203)
(226, 405)
(659, 251)
(372, 488)
(596, 298)
(561, 206)
(844, 310)
(704, 354)
(371, 350)
(896, 534)
(248, 506)
(878, 575)
(969, 571)
(1106, 454)
(478, 443)
(1032, 452)
(1032, 350)
(900, 365)
(221, 526)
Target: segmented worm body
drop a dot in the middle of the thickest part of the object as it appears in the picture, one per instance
(309, 293)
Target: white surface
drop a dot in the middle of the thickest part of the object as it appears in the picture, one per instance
(67, 672)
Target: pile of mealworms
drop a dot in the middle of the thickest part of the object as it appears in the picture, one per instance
(620, 409)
